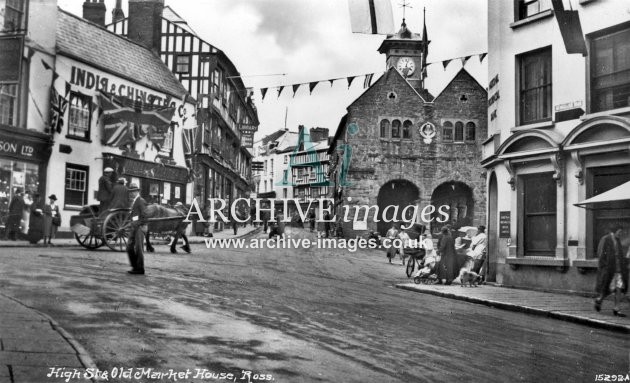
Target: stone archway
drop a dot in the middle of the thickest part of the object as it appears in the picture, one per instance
(401, 193)
(459, 197)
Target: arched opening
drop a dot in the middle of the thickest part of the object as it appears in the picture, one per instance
(459, 198)
(401, 193)
(493, 230)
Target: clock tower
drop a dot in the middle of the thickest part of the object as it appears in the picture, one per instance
(404, 51)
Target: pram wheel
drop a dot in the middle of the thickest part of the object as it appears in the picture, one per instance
(411, 264)
(417, 280)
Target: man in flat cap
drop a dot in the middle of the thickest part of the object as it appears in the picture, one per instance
(105, 186)
(120, 195)
(135, 249)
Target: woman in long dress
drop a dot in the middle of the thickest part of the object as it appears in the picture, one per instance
(447, 268)
(36, 220)
(26, 213)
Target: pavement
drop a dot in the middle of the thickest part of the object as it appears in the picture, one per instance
(571, 308)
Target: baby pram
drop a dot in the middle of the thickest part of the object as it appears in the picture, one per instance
(428, 273)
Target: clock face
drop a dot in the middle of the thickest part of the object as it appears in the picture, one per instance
(406, 66)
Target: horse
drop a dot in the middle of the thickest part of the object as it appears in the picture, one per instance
(178, 226)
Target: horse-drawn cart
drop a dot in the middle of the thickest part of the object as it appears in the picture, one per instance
(93, 229)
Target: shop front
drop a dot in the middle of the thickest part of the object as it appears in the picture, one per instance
(159, 183)
(24, 156)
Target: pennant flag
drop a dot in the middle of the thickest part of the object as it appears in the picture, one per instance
(446, 62)
(46, 66)
(425, 45)
(331, 82)
(312, 86)
(125, 121)
(295, 88)
(58, 106)
(368, 80)
(482, 56)
(464, 60)
(350, 79)
(371, 16)
(68, 88)
(263, 92)
(570, 28)
(280, 89)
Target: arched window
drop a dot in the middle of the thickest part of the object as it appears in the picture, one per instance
(459, 131)
(396, 129)
(470, 131)
(384, 128)
(406, 132)
(447, 131)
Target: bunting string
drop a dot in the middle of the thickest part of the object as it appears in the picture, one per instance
(368, 77)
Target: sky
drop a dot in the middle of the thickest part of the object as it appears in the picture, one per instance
(309, 40)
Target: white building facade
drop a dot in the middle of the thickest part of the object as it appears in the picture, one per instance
(559, 133)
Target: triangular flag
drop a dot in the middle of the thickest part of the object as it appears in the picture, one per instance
(331, 81)
(446, 62)
(350, 79)
(295, 88)
(263, 92)
(68, 88)
(311, 86)
(368, 80)
(280, 89)
(464, 60)
(482, 56)
(45, 64)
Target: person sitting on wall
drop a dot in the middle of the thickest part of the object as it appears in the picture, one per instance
(105, 186)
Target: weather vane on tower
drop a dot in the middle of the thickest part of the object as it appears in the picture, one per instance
(404, 6)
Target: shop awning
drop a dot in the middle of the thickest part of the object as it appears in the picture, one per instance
(619, 194)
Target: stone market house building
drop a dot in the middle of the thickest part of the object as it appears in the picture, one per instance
(219, 149)
(559, 134)
(101, 74)
(400, 146)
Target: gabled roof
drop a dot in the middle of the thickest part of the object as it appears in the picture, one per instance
(169, 14)
(87, 42)
(462, 73)
(384, 77)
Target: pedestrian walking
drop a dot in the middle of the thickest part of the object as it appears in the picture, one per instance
(478, 249)
(447, 268)
(105, 186)
(120, 195)
(26, 212)
(14, 220)
(265, 219)
(311, 220)
(327, 225)
(391, 234)
(135, 245)
(52, 219)
(612, 271)
(36, 220)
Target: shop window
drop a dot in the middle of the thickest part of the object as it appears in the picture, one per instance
(601, 180)
(384, 128)
(406, 131)
(610, 71)
(216, 82)
(79, 117)
(539, 214)
(14, 19)
(395, 129)
(535, 86)
(76, 187)
(459, 131)
(529, 8)
(447, 131)
(470, 131)
(182, 64)
(8, 104)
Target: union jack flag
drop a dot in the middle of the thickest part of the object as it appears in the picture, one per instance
(58, 106)
(124, 122)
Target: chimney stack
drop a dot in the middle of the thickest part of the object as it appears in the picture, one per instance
(117, 13)
(145, 22)
(319, 134)
(94, 11)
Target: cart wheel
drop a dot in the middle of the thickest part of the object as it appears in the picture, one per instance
(411, 265)
(116, 229)
(89, 241)
(417, 280)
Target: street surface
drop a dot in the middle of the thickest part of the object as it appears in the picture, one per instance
(298, 315)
